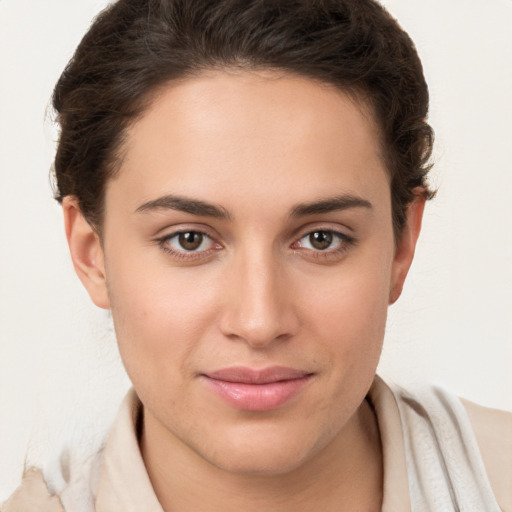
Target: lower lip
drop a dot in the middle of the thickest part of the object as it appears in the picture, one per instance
(257, 397)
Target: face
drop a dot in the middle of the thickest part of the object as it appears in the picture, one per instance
(248, 259)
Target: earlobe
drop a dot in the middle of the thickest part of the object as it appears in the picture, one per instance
(404, 252)
(86, 252)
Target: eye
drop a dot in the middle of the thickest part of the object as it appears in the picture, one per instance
(323, 240)
(188, 241)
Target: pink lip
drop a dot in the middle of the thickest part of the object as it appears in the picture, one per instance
(257, 390)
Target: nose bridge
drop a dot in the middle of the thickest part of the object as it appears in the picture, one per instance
(259, 310)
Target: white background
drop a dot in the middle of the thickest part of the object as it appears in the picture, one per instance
(60, 375)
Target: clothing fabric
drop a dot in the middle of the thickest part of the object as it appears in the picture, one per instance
(440, 454)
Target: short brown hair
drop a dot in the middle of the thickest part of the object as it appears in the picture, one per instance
(136, 46)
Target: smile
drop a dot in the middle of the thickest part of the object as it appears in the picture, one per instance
(257, 390)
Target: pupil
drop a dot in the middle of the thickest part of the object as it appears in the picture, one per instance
(190, 240)
(321, 239)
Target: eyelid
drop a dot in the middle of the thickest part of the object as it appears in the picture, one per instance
(185, 227)
(339, 234)
(334, 226)
(342, 231)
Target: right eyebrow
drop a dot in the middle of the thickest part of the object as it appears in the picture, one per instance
(184, 204)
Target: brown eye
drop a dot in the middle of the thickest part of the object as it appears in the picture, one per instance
(191, 240)
(194, 245)
(321, 240)
(325, 241)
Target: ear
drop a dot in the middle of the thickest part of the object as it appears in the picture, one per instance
(406, 245)
(86, 252)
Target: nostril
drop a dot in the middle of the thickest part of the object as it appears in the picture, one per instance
(259, 334)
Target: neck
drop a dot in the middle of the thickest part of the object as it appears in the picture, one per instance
(345, 475)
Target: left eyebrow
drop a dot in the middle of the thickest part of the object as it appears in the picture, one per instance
(331, 204)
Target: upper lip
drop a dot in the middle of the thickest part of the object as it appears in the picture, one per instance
(246, 375)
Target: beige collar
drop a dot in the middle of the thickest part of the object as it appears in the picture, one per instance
(124, 483)
(396, 486)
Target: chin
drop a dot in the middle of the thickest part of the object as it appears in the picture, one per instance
(263, 453)
(265, 464)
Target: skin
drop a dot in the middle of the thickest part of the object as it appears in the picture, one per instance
(256, 293)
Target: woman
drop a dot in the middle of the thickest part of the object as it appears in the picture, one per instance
(243, 186)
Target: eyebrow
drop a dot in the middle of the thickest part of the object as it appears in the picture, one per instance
(184, 204)
(331, 204)
(201, 208)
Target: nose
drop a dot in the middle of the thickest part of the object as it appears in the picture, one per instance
(258, 307)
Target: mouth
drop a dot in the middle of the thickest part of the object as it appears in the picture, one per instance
(257, 390)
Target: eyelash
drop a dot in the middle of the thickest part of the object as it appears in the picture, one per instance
(185, 255)
(345, 242)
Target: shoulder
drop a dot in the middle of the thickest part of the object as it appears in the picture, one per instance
(32, 495)
(493, 432)
(68, 483)
(468, 449)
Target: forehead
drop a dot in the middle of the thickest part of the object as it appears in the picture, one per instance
(254, 135)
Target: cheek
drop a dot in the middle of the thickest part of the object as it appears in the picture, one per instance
(159, 317)
(348, 312)
(351, 304)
